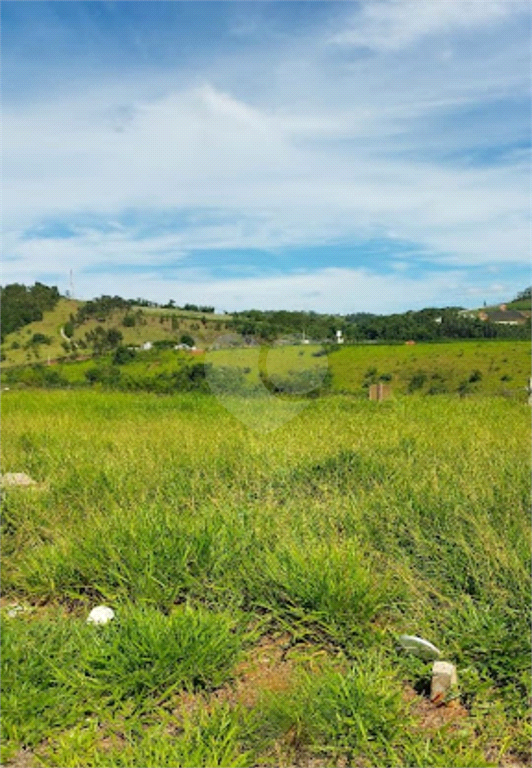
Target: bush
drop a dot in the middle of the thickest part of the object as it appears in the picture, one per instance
(475, 376)
(68, 329)
(40, 338)
(464, 388)
(188, 340)
(164, 344)
(224, 379)
(114, 337)
(123, 355)
(128, 320)
(417, 381)
(54, 379)
(105, 374)
(438, 388)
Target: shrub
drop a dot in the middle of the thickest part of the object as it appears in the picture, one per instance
(188, 340)
(68, 329)
(114, 337)
(105, 374)
(438, 388)
(163, 344)
(475, 376)
(417, 381)
(128, 320)
(464, 388)
(40, 338)
(123, 355)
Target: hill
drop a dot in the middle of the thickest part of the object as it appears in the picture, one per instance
(136, 325)
(40, 326)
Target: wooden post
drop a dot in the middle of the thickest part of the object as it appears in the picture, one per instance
(379, 391)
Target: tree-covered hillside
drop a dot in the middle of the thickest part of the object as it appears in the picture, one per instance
(22, 305)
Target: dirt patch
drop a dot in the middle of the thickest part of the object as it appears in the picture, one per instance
(113, 741)
(23, 759)
(267, 667)
(434, 716)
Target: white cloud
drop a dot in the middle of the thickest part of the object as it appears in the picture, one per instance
(317, 149)
(325, 290)
(390, 25)
(200, 148)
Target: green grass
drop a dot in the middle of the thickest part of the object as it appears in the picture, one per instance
(504, 366)
(351, 523)
(56, 668)
(463, 368)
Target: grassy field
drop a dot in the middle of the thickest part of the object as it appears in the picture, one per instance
(260, 581)
(469, 368)
(504, 367)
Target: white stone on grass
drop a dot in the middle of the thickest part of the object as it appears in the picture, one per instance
(444, 678)
(102, 614)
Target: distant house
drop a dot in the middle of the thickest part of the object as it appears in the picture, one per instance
(503, 316)
(410, 342)
(147, 345)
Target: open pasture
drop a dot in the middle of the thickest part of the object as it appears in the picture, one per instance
(260, 581)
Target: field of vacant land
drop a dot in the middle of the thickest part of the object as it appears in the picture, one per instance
(260, 581)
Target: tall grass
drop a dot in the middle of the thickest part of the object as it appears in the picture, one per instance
(351, 523)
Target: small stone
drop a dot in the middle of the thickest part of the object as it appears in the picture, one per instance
(444, 678)
(102, 614)
(16, 478)
(14, 611)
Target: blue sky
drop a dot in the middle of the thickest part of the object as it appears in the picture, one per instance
(342, 157)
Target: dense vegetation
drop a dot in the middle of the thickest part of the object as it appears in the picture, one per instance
(21, 305)
(260, 581)
(425, 325)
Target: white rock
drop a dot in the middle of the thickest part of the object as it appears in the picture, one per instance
(102, 614)
(419, 647)
(444, 678)
(17, 478)
(14, 611)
